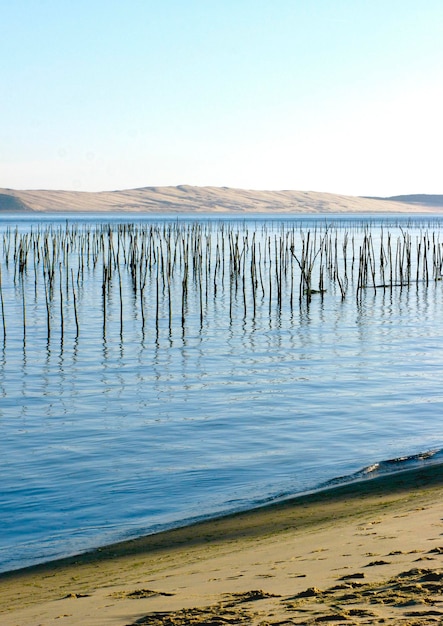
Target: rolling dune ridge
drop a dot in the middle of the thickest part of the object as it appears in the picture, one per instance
(223, 200)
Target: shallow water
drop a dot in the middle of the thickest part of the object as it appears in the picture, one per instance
(120, 430)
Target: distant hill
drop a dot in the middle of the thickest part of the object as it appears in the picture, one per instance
(12, 203)
(419, 198)
(222, 200)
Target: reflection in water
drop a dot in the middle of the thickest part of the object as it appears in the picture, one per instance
(194, 374)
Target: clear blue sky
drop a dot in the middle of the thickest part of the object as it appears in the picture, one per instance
(343, 96)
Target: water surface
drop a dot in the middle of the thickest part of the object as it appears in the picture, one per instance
(150, 413)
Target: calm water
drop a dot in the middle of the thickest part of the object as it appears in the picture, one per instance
(152, 412)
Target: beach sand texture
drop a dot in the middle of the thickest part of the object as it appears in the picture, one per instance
(364, 553)
(222, 200)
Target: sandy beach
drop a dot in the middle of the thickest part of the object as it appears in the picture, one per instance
(365, 553)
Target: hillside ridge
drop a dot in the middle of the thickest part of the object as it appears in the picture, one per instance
(223, 200)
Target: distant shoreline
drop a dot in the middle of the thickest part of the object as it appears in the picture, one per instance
(216, 200)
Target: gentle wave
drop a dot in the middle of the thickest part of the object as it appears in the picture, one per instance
(388, 466)
(373, 471)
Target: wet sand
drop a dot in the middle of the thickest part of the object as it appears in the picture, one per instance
(365, 553)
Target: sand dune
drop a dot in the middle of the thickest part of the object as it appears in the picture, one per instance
(188, 199)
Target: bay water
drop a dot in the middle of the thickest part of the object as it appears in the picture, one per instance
(141, 389)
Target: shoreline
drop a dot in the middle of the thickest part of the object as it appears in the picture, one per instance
(249, 518)
(149, 562)
(376, 471)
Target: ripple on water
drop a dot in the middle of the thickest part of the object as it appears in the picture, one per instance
(105, 436)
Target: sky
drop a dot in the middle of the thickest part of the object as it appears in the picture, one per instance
(340, 96)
